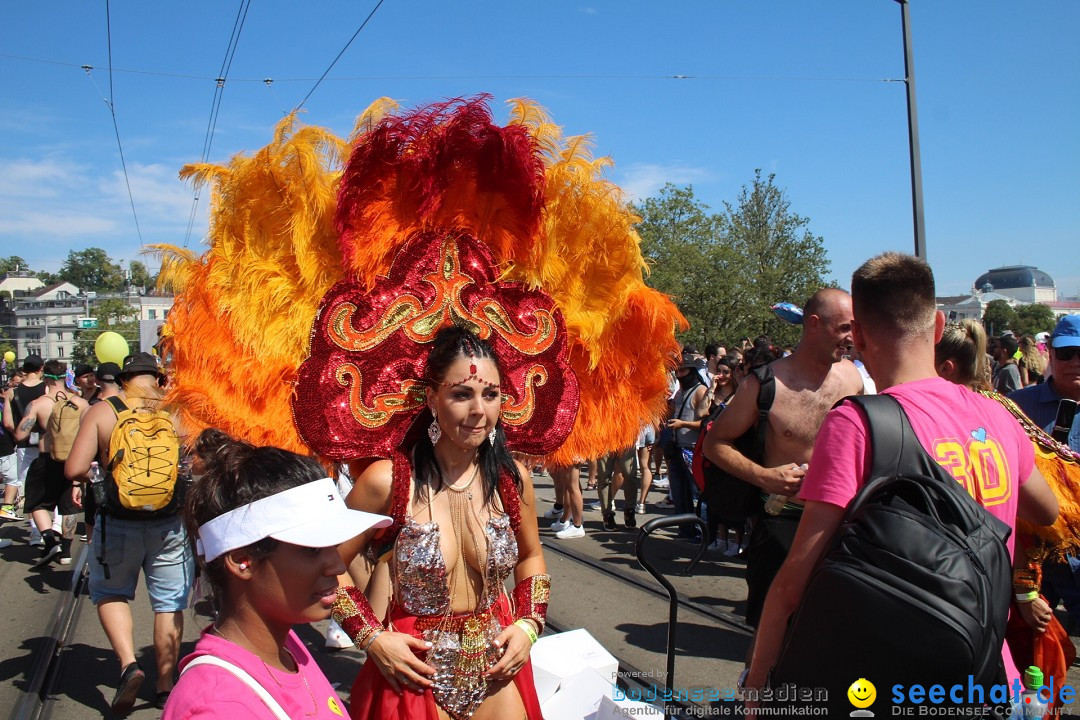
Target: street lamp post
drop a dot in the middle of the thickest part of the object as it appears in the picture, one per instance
(913, 135)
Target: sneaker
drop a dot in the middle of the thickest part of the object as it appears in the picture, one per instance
(661, 483)
(666, 504)
(9, 512)
(559, 525)
(128, 689)
(640, 508)
(65, 552)
(718, 545)
(732, 549)
(609, 521)
(336, 638)
(50, 549)
(629, 519)
(555, 512)
(574, 531)
(594, 505)
(37, 542)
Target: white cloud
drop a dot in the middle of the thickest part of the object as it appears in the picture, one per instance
(50, 205)
(642, 180)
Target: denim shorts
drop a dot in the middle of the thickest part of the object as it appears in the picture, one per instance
(646, 438)
(159, 548)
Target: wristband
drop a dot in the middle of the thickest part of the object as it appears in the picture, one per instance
(528, 628)
(371, 639)
(1028, 596)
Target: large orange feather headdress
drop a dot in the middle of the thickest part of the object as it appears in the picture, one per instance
(321, 286)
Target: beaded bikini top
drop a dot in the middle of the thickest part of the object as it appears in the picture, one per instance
(421, 570)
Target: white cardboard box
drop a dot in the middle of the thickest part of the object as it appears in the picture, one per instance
(557, 658)
(579, 697)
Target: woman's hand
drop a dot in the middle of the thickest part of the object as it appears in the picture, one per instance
(1036, 613)
(395, 654)
(516, 646)
(676, 424)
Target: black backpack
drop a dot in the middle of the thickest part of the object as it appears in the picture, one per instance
(732, 499)
(914, 587)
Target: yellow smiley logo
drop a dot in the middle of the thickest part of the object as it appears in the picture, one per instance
(333, 704)
(862, 693)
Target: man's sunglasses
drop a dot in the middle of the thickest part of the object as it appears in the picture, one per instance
(1066, 354)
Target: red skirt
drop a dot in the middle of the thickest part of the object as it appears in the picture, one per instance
(373, 699)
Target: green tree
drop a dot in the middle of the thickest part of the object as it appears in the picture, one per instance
(998, 317)
(1034, 318)
(12, 263)
(92, 269)
(115, 315)
(140, 276)
(682, 243)
(780, 259)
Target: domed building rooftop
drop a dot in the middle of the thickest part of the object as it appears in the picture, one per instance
(1011, 277)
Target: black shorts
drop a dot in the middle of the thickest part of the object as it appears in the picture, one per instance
(769, 546)
(47, 488)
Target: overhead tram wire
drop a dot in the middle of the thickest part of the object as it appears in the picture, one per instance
(334, 62)
(116, 128)
(215, 104)
(562, 76)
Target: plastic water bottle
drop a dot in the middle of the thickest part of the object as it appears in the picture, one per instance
(1030, 704)
(775, 502)
(97, 483)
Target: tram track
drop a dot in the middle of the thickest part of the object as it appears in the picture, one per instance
(35, 702)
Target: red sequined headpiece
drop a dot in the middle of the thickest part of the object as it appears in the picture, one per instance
(362, 385)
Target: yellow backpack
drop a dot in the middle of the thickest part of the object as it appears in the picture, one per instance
(144, 456)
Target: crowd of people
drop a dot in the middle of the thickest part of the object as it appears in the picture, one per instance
(463, 515)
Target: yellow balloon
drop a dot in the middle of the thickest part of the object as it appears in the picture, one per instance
(111, 347)
(9, 356)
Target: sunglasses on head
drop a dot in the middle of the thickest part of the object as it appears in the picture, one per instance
(1066, 354)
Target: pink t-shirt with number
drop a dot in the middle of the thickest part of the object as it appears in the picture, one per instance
(971, 436)
(208, 691)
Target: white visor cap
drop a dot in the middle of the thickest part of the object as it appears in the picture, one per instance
(310, 515)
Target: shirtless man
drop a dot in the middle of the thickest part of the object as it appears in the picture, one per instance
(46, 486)
(808, 383)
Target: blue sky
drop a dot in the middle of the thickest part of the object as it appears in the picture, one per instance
(795, 88)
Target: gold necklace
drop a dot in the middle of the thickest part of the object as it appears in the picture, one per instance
(314, 704)
(467, 485)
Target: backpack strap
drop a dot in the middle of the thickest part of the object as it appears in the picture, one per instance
(245, 677)
(895, 449)
(117, 404)
(766, 395)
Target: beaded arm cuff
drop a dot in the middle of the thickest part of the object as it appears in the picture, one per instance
(353, 613)
(531, 599)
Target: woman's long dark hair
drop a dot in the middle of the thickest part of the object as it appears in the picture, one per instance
(235, 473)
(450, 344)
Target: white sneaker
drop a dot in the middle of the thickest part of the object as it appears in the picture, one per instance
(640, 508)
(717, 545)
(594, 505)
(336, 638)
(661, 483)
(732, 548)
(554, 513)
(559, 525)
(574, 531)
(37, 542)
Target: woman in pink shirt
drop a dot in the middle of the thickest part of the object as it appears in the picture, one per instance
(268, 522)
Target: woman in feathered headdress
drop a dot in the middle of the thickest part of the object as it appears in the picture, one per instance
(457, 301)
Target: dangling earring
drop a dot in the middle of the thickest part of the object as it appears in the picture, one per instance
(492, 434)
(434, 432)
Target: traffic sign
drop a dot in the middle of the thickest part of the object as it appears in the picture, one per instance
(87, 323)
